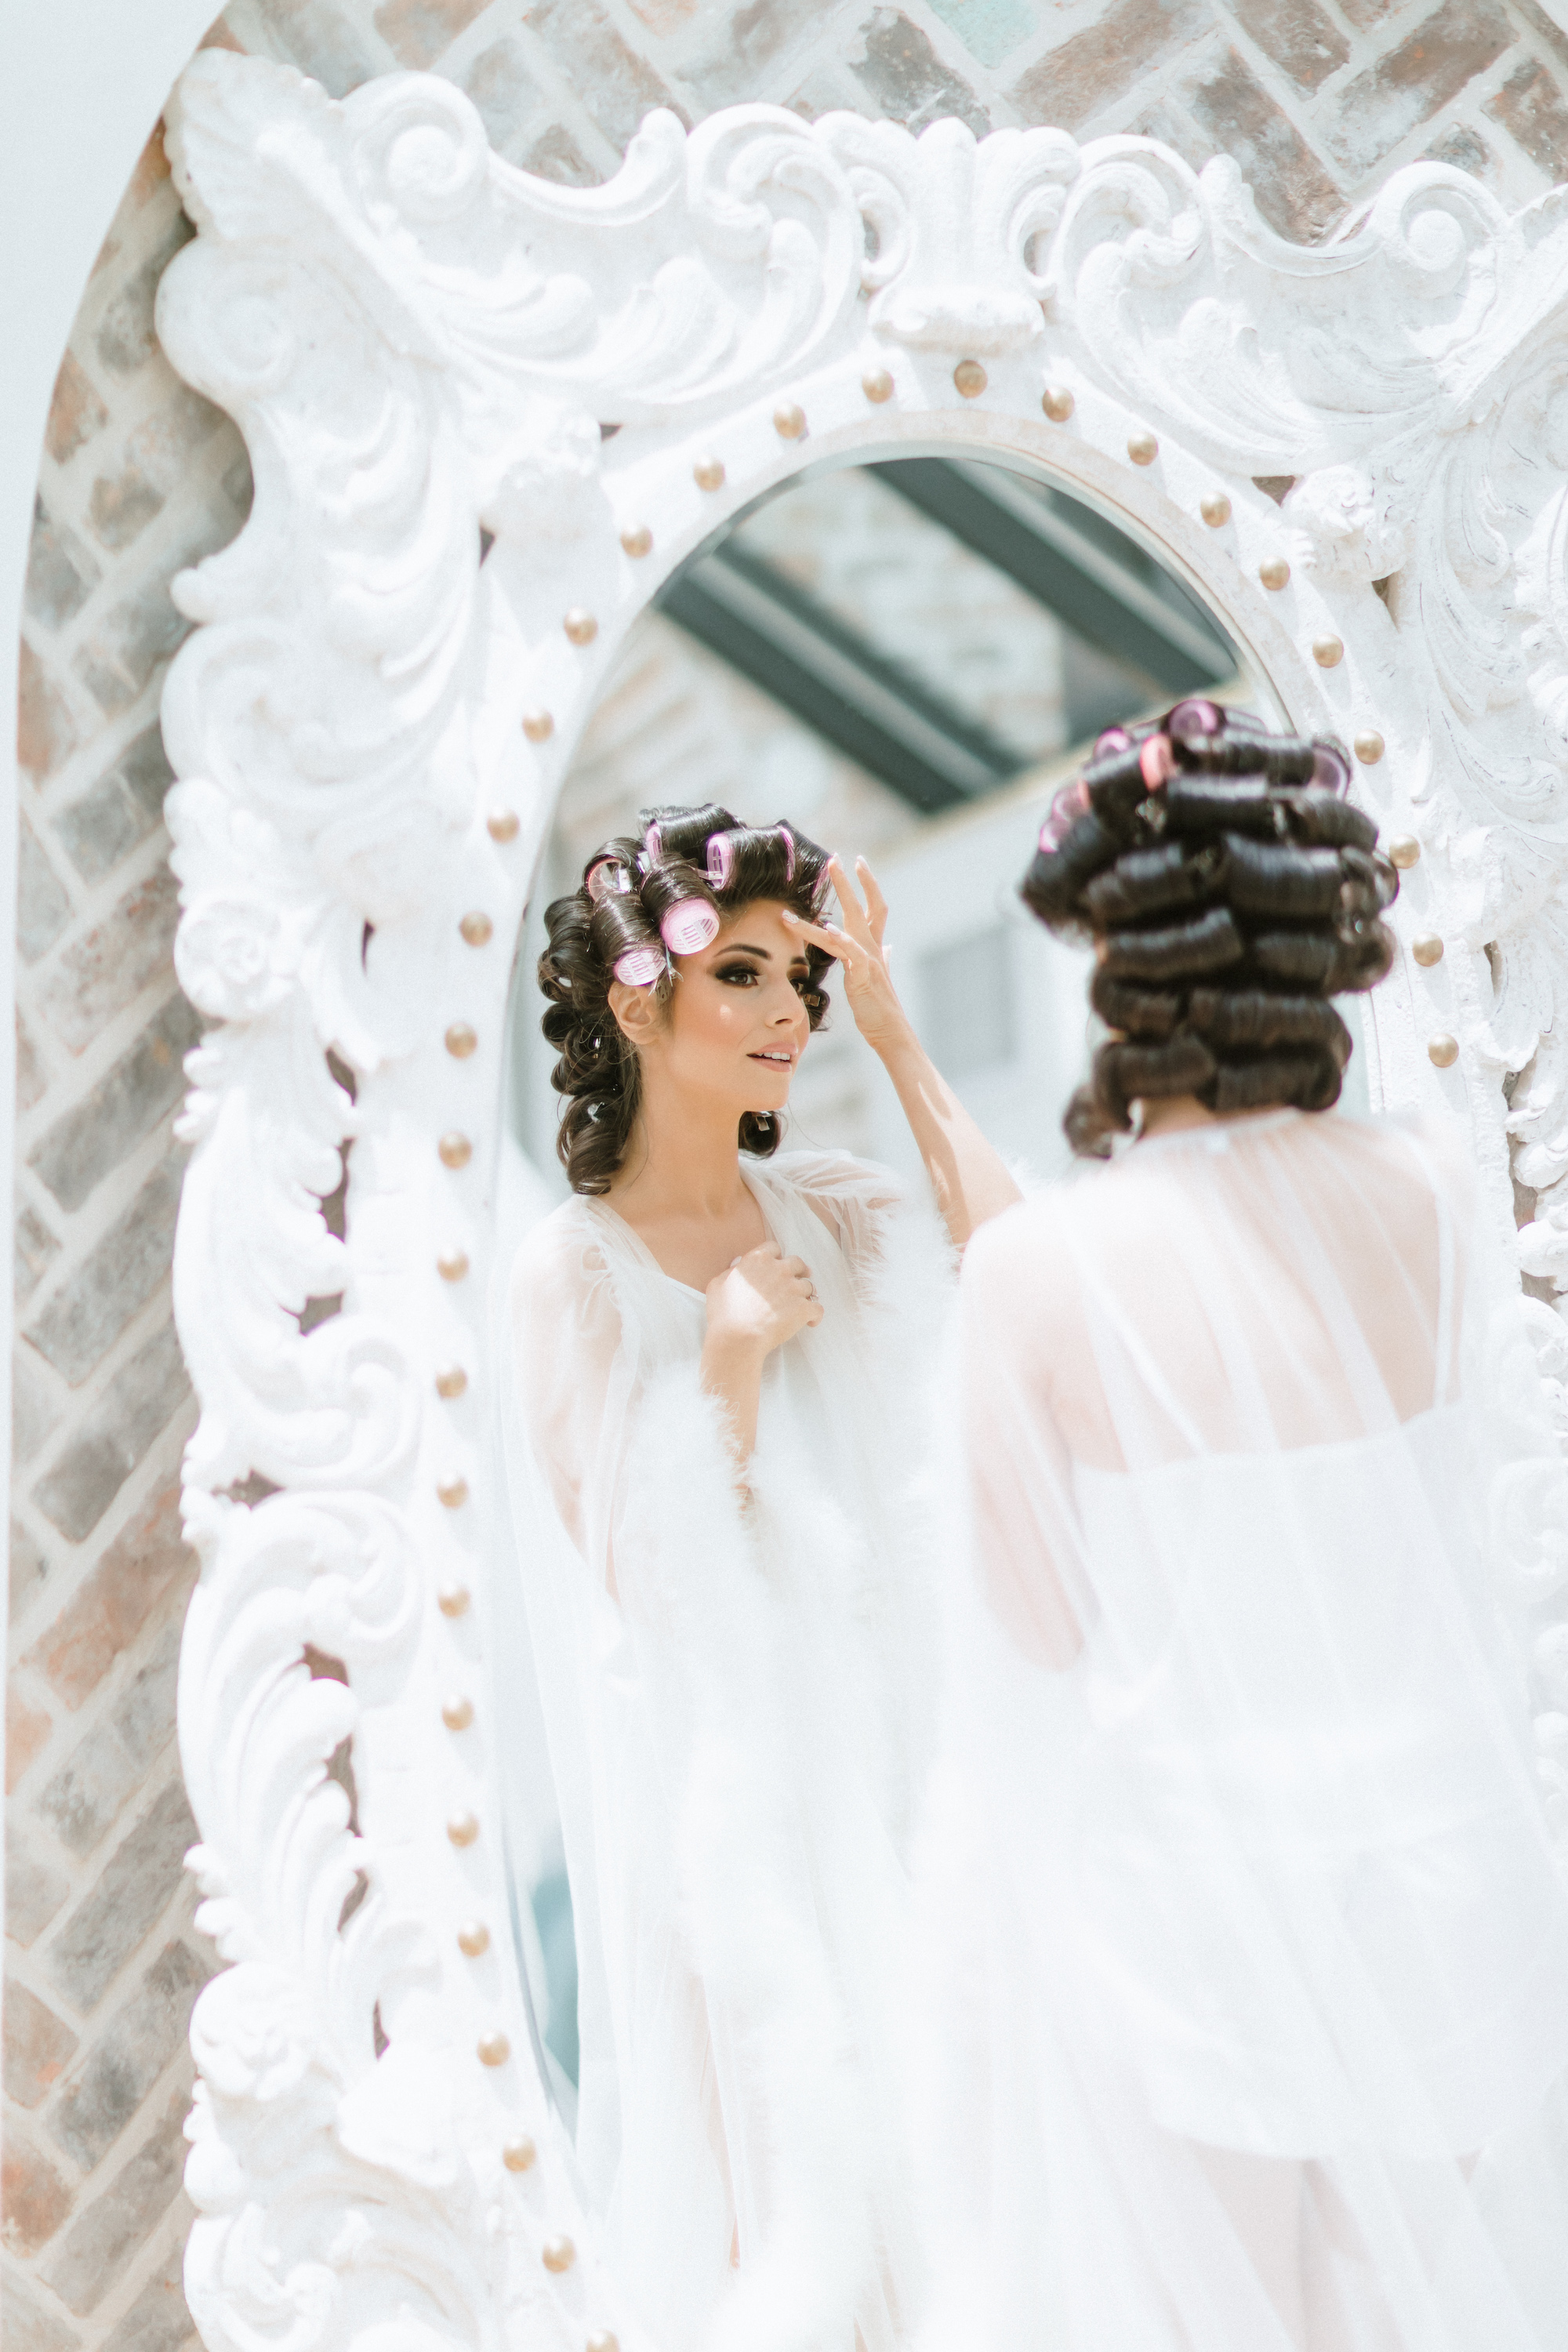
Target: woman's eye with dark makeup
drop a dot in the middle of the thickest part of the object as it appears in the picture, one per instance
(738, 975)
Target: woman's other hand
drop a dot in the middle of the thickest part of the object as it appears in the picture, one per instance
(753, 1307)
(761, 1300)
(857, 945)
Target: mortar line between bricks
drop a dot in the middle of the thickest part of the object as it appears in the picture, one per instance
(100, 1703)
(131, 1494)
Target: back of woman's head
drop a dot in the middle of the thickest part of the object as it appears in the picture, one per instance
(1230, 889)
(641, 903)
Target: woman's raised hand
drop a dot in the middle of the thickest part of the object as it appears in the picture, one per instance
(858, 947)
(760, 1301)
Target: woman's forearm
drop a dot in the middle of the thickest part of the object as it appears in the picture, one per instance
(731, 1371)
(968, 1177)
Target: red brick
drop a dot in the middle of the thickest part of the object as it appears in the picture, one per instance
(1294, 192)
(902, 76)
(46, 731)
(39, 2046)
(1103, 64)
(1406, 89)
(1297, 37)
(152, 169)
(76, 412)
(28, 1730)
(34, 2199)
(114, 1604)
(104, 970)
(1531, 108)
(616, 86)
(417, 31)
(664, 15)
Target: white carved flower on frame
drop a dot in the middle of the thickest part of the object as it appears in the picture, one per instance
(421, 344)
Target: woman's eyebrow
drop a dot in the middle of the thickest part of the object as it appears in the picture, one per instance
(745, 947)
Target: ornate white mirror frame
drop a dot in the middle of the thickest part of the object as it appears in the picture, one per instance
(421, 343)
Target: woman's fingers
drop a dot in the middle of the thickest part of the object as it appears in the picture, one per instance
(821, 935)
(857, 921)
(874, 901)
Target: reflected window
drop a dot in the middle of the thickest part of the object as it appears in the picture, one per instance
(969, 1022)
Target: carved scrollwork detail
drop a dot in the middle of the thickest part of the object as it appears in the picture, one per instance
(418, 340)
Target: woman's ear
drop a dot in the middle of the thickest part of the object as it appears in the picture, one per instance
(635, 1010)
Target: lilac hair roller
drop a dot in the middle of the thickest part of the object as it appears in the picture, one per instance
(1331, 769)
(606, 878)
(689, 927)
(652, 845)
(789, 852)
(1069, 804)
(640, 967)
(721, 860)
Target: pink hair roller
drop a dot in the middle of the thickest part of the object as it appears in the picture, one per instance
(689, 927)
(652, 845)
(1157, 761)
(721, 860)
(789, 852)
(640, 967)
(607, 879)
(1069, 804)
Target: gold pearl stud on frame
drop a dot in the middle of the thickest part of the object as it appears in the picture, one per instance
(539, 726)
(558, 2254)
(1142, 448)
(473, 1940)
(452, 1264)
(709, 474)
(878, 386)
(1443, 1050)
(518, 2154)
(1426, 947)
(456, 1712)
(494, 2049)
(463, 1828)
(452, 1380)
(1058, 403)
(455, 1149)
(503, 824)
(580, 626)
(1214, 510)
(636, 540)
(461, 1041)
(1403, 850)
(476, 929)
(1328, 652)
(789, 421)
(1274, 572)
(970, 379)
(452, 1492)
(452, 1599)
(603, 2341)
(1369, 747)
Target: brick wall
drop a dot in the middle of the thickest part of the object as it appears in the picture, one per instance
(1317, 99)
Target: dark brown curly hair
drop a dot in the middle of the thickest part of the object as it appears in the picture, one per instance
(687, 859)
(1230, 889)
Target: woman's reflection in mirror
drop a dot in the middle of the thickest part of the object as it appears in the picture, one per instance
(1258, 1941)
(721, 1354)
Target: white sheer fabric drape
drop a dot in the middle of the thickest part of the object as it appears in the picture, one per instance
(1247, 1946)
(738, 1693)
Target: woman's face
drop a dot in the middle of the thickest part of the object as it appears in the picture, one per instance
(735, 1026)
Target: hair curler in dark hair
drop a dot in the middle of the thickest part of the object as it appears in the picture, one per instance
(641, 902)
(1230, 890)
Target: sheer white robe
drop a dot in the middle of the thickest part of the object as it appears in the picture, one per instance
(1252, 1943)
(739, 1698)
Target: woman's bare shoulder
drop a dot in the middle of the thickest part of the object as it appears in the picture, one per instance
(558, 1260)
